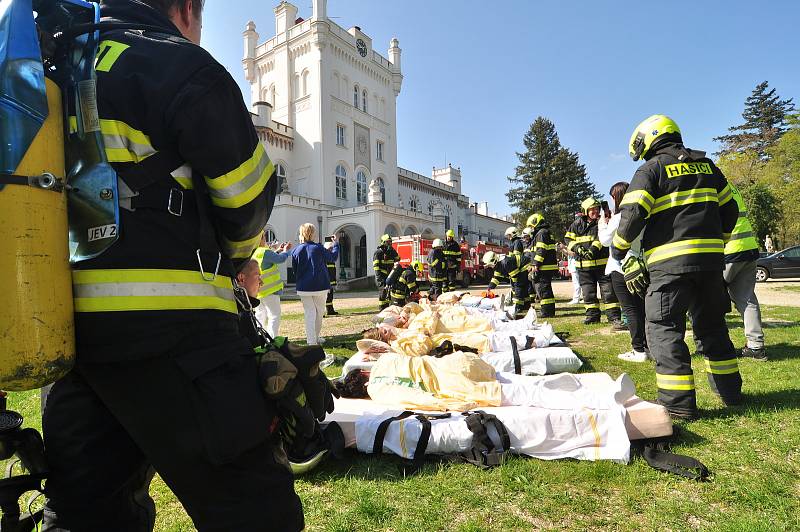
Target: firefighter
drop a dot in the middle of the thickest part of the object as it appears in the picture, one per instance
(543, 263)
(402, 282)
(163, 380)
(685, 206)
(515, 241)
(329, 310)
(383, 261)
(452, 252)
(437, 269)
(590, 262)
(512, 269)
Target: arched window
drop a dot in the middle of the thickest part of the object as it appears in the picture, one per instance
(361, 187)
(336, 84)
(447, 212)
(305, 82)
(280, 173)
(296, 86)
(430, 207)
(355, 96)
(382, 186)
(341, 182)
(413, 201)
(344, 250)
(364, 100)
(270, 235)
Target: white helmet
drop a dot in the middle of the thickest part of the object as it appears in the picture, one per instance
(437, 243)
(489, 258)
(512, 232)
(528, 231)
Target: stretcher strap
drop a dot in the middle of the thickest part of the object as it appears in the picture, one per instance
(415, 464)
(483, 452)
(658, 457)
(515, 354)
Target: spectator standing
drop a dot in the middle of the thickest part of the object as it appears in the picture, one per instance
(769, 247)
(309, 261)
(632, 304)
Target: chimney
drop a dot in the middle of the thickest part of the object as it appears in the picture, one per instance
(320, 8)
(394, 54)
(250, 42)
(285, 15)
(263, 114)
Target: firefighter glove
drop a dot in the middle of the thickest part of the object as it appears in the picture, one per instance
(636, 277)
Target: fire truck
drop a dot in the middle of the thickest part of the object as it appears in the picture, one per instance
(415, 247)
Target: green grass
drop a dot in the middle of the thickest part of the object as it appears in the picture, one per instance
(753, 452)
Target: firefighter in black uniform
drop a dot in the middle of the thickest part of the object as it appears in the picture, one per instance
(543, 264)
(452, 252)
(329, 310)
(383, 260)
(163, 380)
(590, 261)
(514, 240)
(402, 282)
(513, 269)
(684, 204)
(437, 269)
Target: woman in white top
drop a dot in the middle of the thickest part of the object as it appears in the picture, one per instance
(632, 304)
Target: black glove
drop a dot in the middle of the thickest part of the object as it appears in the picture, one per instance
(278, 377)
(316, 385)
(636, 277)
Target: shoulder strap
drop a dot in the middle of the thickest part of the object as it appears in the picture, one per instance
(483, 452)
(151, 170)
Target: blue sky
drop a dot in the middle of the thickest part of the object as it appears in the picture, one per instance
(477, 73)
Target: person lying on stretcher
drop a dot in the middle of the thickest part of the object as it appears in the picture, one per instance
(463, 381)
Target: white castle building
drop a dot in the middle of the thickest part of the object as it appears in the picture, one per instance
(325, 106)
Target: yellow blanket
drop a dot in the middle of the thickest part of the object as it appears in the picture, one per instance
(459, 382)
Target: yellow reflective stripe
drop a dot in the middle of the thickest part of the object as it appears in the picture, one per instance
(684, 247)
(242, 184)
(725, 195)
(592, 263)
(548, 267)
(640, 197)
(619, 242)
(183, 175)
(590, 306)
(684, 197)
(150, 289)
(569, 234)
(606, 306)
(597, 244)
(722, 367)
(538, 258)
(544, 246)
(548, 300)
(108, 52)
(123, 143)
(571, 245)
(675, 382)
(243, 249)
(582, 239)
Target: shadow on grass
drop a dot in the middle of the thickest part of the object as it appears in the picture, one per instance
(782, 351)
(767, 324)
(759, 402)
(359, 466)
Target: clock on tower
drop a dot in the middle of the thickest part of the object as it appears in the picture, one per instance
(362, 47)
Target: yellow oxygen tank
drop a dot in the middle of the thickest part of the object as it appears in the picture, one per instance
(37, 333)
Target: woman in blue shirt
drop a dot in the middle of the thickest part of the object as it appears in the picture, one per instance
(309, 261)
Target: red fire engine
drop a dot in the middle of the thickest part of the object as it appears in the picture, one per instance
(415, 247)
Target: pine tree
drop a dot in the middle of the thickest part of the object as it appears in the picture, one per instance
(549, 179)
(765, 123)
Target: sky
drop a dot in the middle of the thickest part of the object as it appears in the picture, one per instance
(478, 73)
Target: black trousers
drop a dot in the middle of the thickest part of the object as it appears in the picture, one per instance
(383, 290)
(329, 301)
(633, 305)
(437, 287)
(452, 282)
(520, 296)
(703, 295)
(198, 418)
(589, 278)
(543, 282)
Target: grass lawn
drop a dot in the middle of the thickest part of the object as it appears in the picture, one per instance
(753, 452)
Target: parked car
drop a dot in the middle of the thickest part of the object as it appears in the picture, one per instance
(779, 265)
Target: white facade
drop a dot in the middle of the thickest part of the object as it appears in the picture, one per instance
(325, 108)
